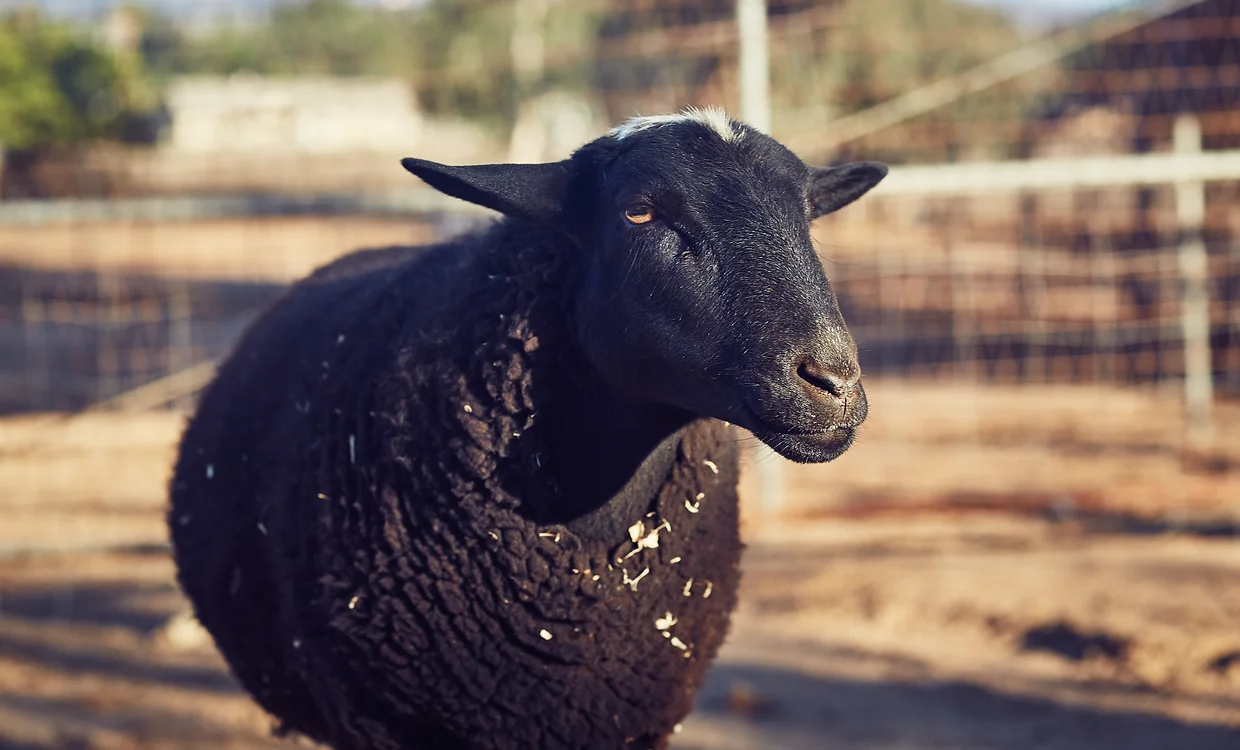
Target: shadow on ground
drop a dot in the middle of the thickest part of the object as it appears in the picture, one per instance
(90, 661)
(778, 708)
(131, 605)
(141, 608)
(743, 705)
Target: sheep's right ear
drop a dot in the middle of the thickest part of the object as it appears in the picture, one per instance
(530, 191)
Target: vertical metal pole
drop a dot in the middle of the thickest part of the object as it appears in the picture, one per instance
(1190, 206)
(754, 82)
(755, 65)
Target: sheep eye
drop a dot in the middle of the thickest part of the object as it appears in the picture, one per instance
(638, 214)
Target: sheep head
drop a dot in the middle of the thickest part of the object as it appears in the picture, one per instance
(699, 288)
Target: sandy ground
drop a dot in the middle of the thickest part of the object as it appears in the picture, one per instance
(988, 568)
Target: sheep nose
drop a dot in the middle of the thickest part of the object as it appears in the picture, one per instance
(838, 383)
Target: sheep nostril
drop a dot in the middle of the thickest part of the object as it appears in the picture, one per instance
(822, 379)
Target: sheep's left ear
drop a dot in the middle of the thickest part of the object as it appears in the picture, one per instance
(832, 188)
(530, 191)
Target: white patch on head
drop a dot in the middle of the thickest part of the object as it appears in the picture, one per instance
(712, 117)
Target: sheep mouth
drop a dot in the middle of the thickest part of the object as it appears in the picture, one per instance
(808, 448)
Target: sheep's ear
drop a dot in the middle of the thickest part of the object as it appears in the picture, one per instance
(832, 188)
(530, 191)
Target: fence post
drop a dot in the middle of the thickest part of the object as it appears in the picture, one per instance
(754, 66)
(755, 94)
(1190, 206)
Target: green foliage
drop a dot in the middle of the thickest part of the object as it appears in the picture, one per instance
(318, 37)
(59, 87)
(467, 58)
(162, 46)
(458, 54)
(455, 53)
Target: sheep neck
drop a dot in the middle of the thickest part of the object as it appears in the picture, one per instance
(610, 467)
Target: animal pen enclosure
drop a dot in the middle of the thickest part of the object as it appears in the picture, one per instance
(1033, 543)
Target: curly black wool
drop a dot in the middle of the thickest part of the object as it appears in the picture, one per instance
(357, 516)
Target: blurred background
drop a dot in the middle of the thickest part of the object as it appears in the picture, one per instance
(1034, 542)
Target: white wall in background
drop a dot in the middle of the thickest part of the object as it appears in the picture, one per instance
(310, 115)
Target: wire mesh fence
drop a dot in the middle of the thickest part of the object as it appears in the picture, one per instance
(1053, 283)
(1045, 292)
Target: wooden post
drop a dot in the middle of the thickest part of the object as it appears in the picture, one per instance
(1190, 206)
(754, 82)
(755, 65)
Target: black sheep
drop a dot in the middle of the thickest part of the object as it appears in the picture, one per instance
(478, 494)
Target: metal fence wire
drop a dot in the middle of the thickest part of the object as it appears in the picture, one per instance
(1058, 213)
(1032, 542)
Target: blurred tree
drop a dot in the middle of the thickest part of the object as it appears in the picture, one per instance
(874, 50)
(881, 48)
(656, 57)
(58, 87)
(471, 49)
(340, 38)
(316, 37)
(472, 58)
(828, 58)
(456, 53)
(466, 68)
(162, 45)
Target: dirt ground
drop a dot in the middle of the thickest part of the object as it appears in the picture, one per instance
(277, 249)
(988, 568)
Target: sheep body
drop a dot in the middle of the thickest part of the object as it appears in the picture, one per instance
(362, 515)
